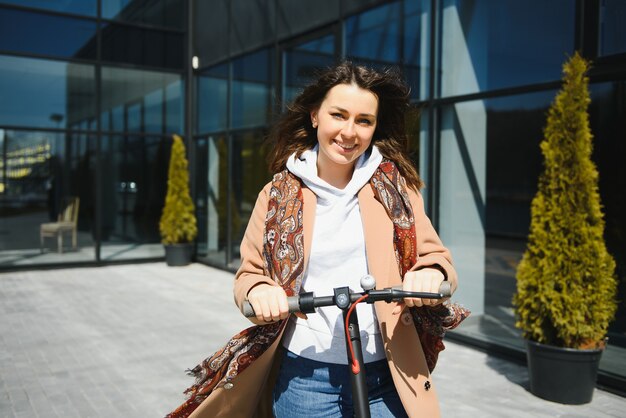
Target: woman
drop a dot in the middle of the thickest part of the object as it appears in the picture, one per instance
(345, 202)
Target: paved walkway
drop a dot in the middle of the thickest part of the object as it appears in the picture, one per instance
(115, 341)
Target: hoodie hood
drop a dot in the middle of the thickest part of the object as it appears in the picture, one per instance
(305, 167)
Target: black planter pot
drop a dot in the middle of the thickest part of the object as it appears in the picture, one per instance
(563, 375)
(178, 254)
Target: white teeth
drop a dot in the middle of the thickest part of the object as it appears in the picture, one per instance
(347, 147)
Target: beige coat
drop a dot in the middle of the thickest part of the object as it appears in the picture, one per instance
(250, 393)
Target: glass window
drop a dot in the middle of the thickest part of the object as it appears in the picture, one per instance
(81, 7)
(485, 195)
(252, 89)
(301, 61)
(417, 46)
(174, 108)
(169, 13)
(612, 33)
(212, 99)
(487, 45)
(486, 192)
(39, 172)
(374, 36)
(133, 194)
(212, 197)
(37, 33)
(141, 101)
(252, 24)
(608, 105)
(149, 47)
(42, 93)
(296, 17)
(250, 174)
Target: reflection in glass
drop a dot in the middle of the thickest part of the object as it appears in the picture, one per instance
(416, 46)
(489, 169)
(174, 107)
(141, 101)
(141, 46)
(133, 188)
(607, 110)
(612, 33)
(169, 13)
(250, 174)
(40, 171)
(81, 7)
(487, 45)
(38, 33)
(374, 36)
(212, 98)
(212, 197)
(251, 91)
(45, 93)
(301, 62)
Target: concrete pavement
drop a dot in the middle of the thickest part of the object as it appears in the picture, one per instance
(114, 342)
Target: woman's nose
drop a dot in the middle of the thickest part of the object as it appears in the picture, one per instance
(349, 130)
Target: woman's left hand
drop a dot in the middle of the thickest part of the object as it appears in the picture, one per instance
(423, 280)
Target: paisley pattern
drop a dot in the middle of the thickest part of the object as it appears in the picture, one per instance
(431, 322)
(283, 258)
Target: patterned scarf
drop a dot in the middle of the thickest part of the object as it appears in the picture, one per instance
(283, 256)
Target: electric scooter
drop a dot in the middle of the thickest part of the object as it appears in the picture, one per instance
(346, 300)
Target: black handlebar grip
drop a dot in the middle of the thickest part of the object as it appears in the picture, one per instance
(292, 301)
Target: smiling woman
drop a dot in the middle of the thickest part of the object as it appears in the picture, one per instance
(344, 203)
(345, 122)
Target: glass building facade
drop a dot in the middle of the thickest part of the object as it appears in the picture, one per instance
(91, 91)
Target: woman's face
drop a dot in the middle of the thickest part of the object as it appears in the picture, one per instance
(346, 121)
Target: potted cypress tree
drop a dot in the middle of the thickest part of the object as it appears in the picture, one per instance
(178, 221)
(566, 285)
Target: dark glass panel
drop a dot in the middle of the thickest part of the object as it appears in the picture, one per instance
(211, 31)
(607, 110)
(416, 52)
(250, 174)
(301, 62)
(141, 101)
(212, 197)
(43, 93)
(212, 99)
(251, 91)
(174, 108)
(37, 33)
(39, 172)
(132, 45)
(374, 36)
(352, 6)
(167, 13)
(296, 17)
(252, 25)
(134, 183)
(612, 33)
(513, 127)
(488, 45)
(81, 7)
(153, 113)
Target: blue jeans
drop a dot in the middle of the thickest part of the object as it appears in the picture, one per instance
(306, 388)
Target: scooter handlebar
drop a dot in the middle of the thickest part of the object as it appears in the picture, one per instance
(445, 291)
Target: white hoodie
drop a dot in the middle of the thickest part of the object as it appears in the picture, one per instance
(337, 259)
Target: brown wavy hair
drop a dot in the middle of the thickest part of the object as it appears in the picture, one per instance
(293, 132)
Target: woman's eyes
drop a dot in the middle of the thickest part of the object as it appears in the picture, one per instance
(362, 121)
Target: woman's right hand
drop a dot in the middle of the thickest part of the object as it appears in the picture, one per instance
(269, 303)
